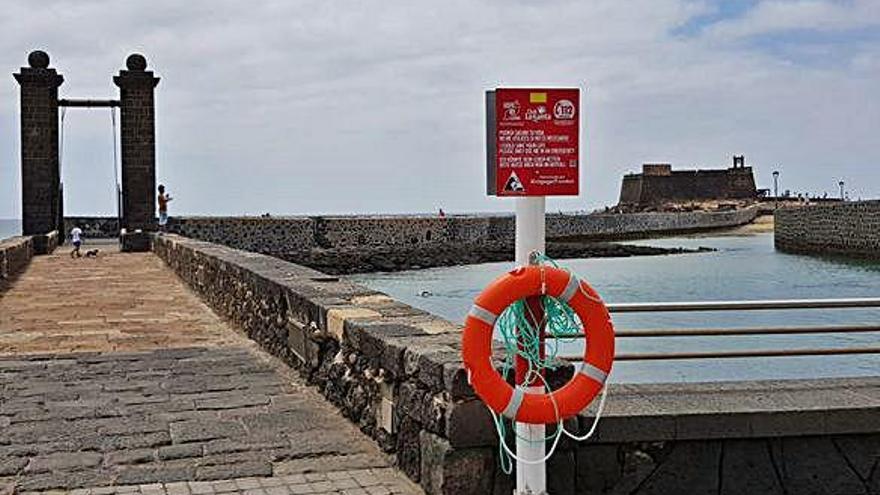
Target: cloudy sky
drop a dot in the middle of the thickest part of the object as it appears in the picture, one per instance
(327, 106)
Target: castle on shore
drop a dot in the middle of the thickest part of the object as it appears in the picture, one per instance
(659, 185)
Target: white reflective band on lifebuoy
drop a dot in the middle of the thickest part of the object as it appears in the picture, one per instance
(593, 372)
(516, 400)
(483, 314)
(570, 289)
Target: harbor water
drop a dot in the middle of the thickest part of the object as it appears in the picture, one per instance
(743, 267)
(9, 228)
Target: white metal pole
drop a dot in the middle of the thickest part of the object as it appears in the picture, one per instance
(530, 227)
(531, 479)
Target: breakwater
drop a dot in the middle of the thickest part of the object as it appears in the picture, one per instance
(396, 372)
(352, 261)
(349, 244)
(351, 232)
(849, 229)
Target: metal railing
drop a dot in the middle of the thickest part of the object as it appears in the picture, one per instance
(655, 307)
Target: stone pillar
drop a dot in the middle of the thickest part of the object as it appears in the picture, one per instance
(138, 136)
(40, 173)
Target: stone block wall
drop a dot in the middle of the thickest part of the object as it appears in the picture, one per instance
(15, 254)
(365, 231)
(629, 225)
(396, 372)
(848, 229)
(358, 244)
(138, 144)
(260, 235)
(280, 235)
(45, 243)
(136, 242)
(40, 176)
(92, 227)
(283, 235)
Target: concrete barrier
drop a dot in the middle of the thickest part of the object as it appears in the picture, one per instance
(396, 372)
(849, 229)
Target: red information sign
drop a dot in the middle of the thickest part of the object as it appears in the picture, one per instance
(533, 142)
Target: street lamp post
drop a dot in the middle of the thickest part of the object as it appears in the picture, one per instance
(776, 188)
(841, 190)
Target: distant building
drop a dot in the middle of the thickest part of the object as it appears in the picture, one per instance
(658, 184)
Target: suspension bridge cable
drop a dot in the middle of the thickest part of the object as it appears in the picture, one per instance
(116, 170)
(61, 141)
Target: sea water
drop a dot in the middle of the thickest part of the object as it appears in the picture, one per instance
(745, 267)
(9, 228)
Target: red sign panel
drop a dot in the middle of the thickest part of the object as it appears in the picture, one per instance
(533, 142)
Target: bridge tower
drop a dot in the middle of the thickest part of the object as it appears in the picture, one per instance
(40, 174)
(42, 203)
(138, 138)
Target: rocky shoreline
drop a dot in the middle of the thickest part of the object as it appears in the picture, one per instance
(351, 261)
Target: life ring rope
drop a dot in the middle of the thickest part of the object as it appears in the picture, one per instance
(520, 392)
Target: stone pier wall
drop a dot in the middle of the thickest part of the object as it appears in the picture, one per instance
(282, 235)
(15, 254)
(849, 229)
(261, 235)
(396, 372)
(92, 227)
(629, 225)
(45, 243)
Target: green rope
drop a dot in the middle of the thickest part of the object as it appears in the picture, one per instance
(521, 338)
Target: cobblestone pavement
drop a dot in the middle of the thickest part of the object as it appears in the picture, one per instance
(381, 481)
(118, 301)
(162, 417)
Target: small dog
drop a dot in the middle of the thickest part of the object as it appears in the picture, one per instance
(92, 253)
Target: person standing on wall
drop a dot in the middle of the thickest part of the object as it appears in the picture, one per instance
(163, 207)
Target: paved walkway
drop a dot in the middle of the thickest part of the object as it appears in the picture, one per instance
(117, 302)
(167, 398)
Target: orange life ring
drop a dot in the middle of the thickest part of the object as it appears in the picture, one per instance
(515, 402)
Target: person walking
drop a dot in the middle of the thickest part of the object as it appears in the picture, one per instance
(163, 207)
(76, 240)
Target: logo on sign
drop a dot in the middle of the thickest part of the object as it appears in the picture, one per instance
(537, 114)
(513, 184)
(564, 110)
(511, 110)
